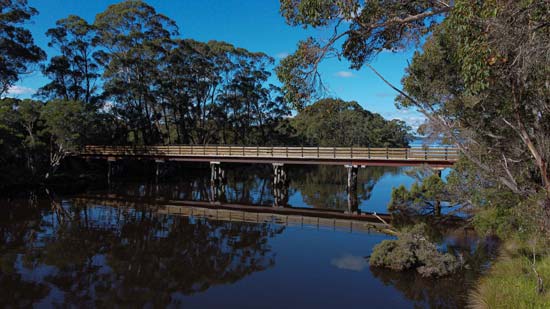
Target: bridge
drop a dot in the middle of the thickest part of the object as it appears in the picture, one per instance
(351, 157)
(437, 157)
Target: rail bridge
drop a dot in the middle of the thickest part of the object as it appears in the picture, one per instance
(351, 157)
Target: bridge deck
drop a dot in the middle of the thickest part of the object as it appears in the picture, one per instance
(433, 156)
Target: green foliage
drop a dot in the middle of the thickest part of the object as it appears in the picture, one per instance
(412, 250)
(74, 73)
(17, 49)
(334, 122)
(295, 73)
(365, 27)
(64, 122)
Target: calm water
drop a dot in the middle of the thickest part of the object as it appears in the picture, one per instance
(59, 249)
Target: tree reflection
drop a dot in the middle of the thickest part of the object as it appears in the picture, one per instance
(325, 186)
(125, 256)
(19, 227)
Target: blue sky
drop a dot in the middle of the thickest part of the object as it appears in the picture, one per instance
(252, 24)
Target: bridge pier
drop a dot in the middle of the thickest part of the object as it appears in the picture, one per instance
(217, 182)
(217, 174)
(280, 185)
(437, 206)
(158, 167)
(353, 203)
(110, 168)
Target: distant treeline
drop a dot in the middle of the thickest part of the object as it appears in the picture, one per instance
(127, 79)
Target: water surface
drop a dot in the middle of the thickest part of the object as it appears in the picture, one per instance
(59, 249)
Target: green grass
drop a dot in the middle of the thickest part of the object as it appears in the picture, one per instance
(511, 282)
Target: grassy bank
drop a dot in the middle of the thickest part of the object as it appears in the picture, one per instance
(511, 281)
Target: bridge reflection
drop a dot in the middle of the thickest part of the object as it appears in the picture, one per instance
(219, 211)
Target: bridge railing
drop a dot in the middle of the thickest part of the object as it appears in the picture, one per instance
(414, 153)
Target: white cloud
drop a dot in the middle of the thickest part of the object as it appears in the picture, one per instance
(350, 262)
(411, 118)
(20, 90)
(282, 55)
(344, 74)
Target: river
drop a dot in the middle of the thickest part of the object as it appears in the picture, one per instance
(60, 249)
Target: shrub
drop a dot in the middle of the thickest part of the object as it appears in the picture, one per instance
(412, 250)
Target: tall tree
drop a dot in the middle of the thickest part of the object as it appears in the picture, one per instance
(65, 123)
(17, 49)
(365, 28)
(136, 39)
(488, 91)
(74, 72)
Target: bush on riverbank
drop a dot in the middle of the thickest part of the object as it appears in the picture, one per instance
(412, 250)
(514, 281)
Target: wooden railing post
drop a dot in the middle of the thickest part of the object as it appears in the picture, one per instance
(217, 151)
(351, 152)
(286, 148)
(318, 154)
(446, 153)
(387, 153)
(426, 153)
(407, 153)
(368, 152)
(302, 151)
(334, 152)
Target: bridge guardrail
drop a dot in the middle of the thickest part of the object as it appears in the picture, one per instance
(414, 153)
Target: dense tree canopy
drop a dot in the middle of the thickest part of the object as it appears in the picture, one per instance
(128, 78)
(492, 98)
(334, 122)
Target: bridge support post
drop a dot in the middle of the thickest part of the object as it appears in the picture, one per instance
(158, 167)
(353, 204)
(437, 206)
(217, 174)
(217, 181)
(280, 185)
(110, 168)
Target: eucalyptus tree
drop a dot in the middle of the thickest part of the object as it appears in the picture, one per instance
(364, 28)
(17, 49)
(74, 73)
(250, 103)
(481, 79)
(65, 124)
(334, 122)
(216, 92)
(134, 40)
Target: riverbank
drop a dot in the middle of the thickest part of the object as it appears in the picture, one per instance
(513, 279)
